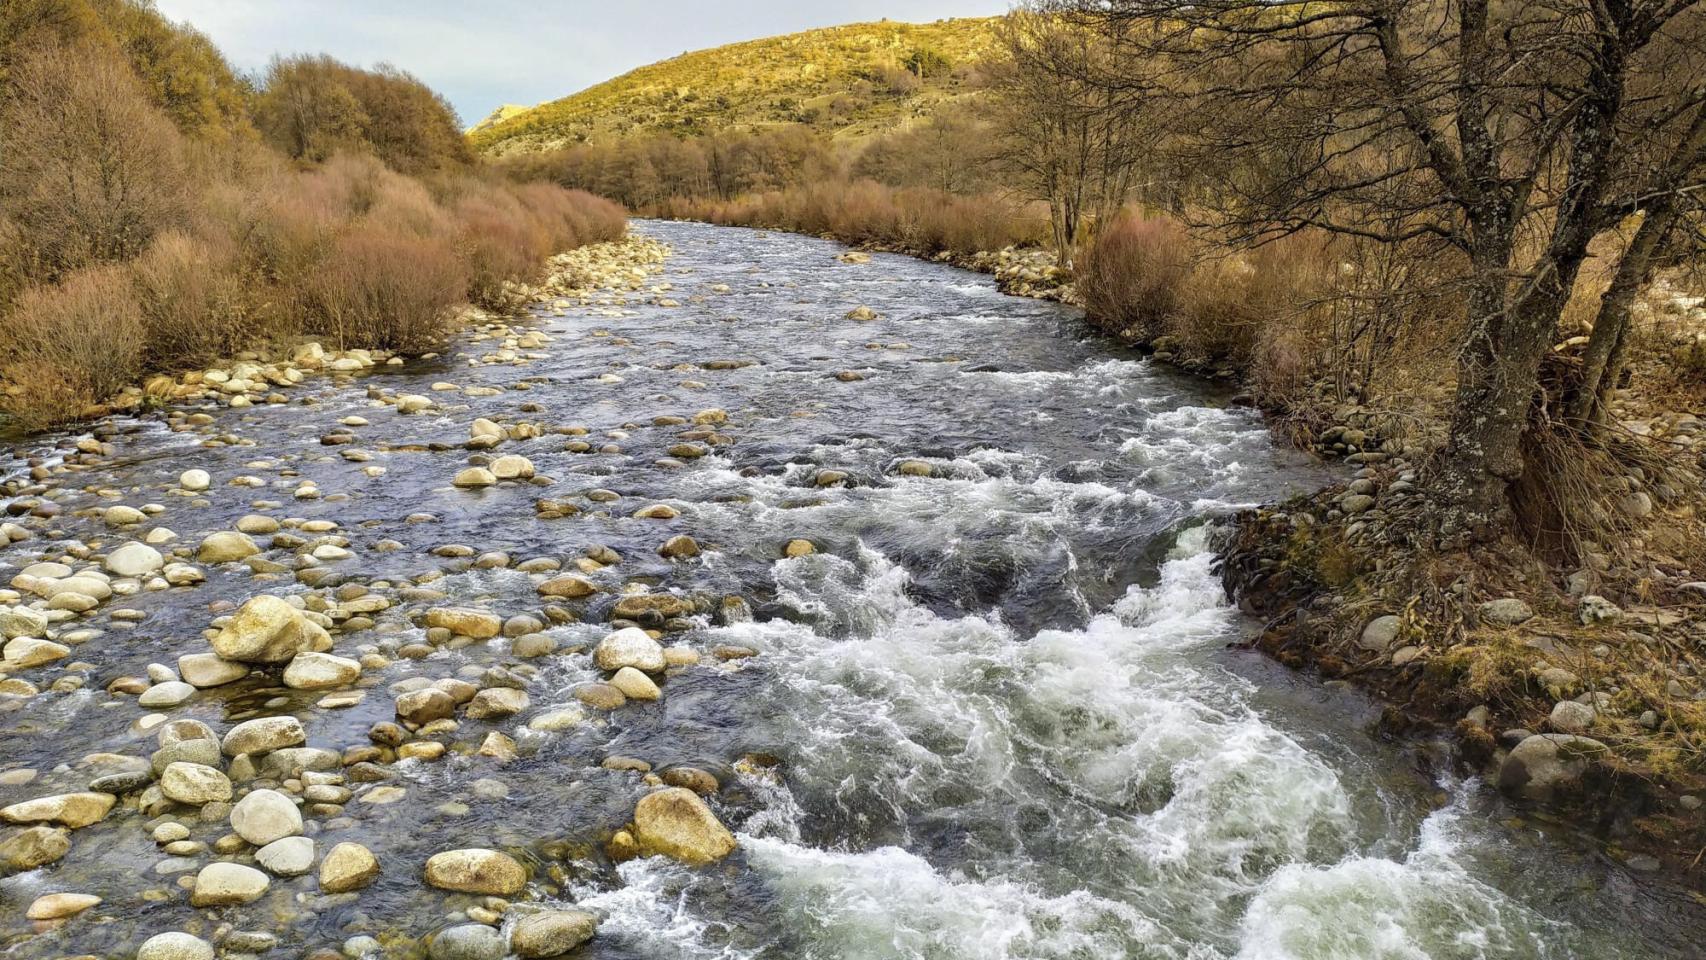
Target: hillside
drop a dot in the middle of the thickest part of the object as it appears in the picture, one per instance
(850, 81)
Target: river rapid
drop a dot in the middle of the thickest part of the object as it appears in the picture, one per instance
(998, 713)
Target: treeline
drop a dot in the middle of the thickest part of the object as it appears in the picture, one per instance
(929, 188)
(158, 210)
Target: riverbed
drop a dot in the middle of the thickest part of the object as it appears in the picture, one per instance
(998, 709)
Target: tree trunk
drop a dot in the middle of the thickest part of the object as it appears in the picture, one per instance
(1602, 362)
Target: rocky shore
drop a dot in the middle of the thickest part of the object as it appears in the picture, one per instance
(235, 808)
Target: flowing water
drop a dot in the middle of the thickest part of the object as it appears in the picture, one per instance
(1003, 701)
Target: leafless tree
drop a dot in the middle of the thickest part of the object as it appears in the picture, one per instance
(1511, 133)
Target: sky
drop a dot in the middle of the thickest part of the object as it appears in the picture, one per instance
(480, 55)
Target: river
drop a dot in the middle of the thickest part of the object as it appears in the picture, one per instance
(999, 713)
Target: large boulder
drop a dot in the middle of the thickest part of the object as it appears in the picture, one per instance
(476, 870)
(267, 629)
(675, 823)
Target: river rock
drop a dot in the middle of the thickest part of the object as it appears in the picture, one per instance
(629, 647)
(1380, 634)
(568, 588)
(1506, 612)
(26, 652)
(1568, 716)
(225, 884)
(267, 629)
(56, 906)
(21, 622)
(479, 624)
(174, 946)
(263, 734)
(32, 847)
(468, 941)
(195, 481)
(168, 694)
(264, 816)
(1594, 609)
(1543, 763)
(473, 478)
(425, 705)
(512, 467)
(194, 783)
(227, 546)
(674, 822)
(551, 933)
(348, 866)
(134, 560)
(680, 547)
(635, 685)
(74, 810)
(320, 671)
(497, 702)
(287, 857)
(205, 670)
(476, 870)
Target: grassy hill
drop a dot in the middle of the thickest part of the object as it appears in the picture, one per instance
(851, 81)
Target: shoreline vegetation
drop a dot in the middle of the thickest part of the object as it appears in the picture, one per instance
(158, 211)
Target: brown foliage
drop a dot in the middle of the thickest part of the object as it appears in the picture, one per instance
(381, 287)
(71, 345)
(1131, 276)
(193, 300)
(313, 107)
(91, 171)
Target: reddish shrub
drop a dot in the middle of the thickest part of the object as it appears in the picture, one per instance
(1133, 273)
(70, 345)
(386, 289)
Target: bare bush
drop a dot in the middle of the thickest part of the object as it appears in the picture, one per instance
(71, 345)
(193, 302)
(386, 289)
(1131, 276)
(91, 171)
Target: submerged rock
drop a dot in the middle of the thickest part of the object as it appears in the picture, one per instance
(551, 933)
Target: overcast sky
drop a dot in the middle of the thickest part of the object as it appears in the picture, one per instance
(508, 51)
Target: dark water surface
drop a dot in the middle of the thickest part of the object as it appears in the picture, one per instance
(1006, 720)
